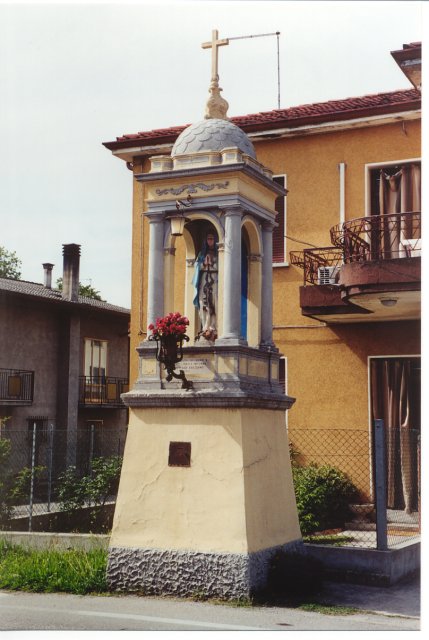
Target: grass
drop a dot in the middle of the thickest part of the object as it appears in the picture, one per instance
(333, 540)
(328, 610)
(72, 571)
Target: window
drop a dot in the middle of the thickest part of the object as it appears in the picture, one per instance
(95, 358)
(279, 233)
(394, 193)
(395, 188)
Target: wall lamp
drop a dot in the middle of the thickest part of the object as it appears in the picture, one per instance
(388, 302)
(178, 220)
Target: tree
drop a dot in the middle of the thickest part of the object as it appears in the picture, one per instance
(84, 290)
(10, 264)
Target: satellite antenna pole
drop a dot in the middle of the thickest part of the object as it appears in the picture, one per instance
(263, 35)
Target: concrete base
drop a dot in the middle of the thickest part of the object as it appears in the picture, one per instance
(368, 566)
(188, 573)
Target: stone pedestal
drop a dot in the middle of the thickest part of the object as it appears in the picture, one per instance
(205, 496)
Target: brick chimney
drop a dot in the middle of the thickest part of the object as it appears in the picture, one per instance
(47, 270)
(71, 253)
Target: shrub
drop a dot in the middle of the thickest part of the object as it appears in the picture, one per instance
(323, 494)
(94, 489)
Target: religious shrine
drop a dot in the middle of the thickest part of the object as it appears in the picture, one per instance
(206, 494)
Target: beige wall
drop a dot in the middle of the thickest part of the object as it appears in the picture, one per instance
(228, 500)
(327, 367)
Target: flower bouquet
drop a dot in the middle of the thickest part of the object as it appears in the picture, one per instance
(170, 333)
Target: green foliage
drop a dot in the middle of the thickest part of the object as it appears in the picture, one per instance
(22, 484)
(10, 264)
(71, 490)
(104, 479)
(72, 571)
(92, 489)
(84, 290)
(323, 494)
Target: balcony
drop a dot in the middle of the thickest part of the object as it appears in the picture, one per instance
(371, 273)
(102, 391)
(16, 387)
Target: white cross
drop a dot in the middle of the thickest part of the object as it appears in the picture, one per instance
(214, 44)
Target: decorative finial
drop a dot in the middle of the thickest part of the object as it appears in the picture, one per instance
(216, 106)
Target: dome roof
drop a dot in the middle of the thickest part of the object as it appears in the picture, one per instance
(212, 134)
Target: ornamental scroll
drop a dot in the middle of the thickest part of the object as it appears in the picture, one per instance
(192, 188)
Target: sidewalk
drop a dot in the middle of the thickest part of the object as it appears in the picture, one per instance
(401, 599)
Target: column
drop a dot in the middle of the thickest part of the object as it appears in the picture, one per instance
(232, 276)
(155, 296)
(267, 286)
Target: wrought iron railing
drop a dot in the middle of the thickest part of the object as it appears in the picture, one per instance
(321, 266)
(360, 240)
(102, 390)
(382, 237)
(16, 387)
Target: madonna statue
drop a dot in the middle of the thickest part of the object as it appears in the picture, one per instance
(205, 281)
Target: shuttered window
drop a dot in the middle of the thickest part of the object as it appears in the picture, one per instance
(279, 240)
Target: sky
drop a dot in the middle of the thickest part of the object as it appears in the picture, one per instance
(73, 76)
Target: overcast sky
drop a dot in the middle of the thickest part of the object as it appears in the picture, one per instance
(75, 75)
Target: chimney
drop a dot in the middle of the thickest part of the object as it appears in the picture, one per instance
(71, 253)
(47, 269)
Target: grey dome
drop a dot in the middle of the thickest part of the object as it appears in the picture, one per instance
(212, 134)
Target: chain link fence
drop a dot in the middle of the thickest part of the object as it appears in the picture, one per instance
(361, 489)
(33, 463)
(354, 488)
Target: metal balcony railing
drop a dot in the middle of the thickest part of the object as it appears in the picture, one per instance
(321, 266)
(361, 240)
(102, 391)
(16, 387)
(396, 235)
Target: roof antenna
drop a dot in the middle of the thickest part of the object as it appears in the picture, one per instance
(263, 35)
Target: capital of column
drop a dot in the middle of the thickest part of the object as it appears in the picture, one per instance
(268, 226)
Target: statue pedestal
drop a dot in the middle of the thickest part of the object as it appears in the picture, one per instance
(206, 494)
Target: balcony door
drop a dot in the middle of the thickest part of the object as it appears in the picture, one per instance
(395, 194)
(95, 369)
(396, 399)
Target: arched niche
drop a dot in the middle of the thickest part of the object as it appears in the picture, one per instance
(179, 260)
(252, 241)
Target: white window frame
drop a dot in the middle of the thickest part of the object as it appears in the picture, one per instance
(88, 366)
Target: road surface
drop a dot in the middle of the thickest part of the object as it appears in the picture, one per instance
(27, 611)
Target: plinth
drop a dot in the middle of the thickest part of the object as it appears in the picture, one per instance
(206, 494)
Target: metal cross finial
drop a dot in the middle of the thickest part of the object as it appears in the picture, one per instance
(214, 44)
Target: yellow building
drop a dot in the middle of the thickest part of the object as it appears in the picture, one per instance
(346, 272)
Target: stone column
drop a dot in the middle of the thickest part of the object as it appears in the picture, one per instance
(267, 287)
(155, 296)
(232, 276)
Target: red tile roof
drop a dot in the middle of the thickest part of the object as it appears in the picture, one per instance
(348, 108)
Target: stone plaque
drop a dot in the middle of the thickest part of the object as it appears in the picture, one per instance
(179, 454)
(195, 365)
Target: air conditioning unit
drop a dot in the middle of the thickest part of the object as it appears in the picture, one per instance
(327, 275)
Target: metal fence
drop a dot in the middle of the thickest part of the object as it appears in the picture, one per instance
(381, 467)
(384, 469)
(32, 461)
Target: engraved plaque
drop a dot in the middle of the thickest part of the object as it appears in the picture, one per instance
(196, 366)
(179, 454)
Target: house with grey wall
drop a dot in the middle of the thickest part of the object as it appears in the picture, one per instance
(64, 362)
